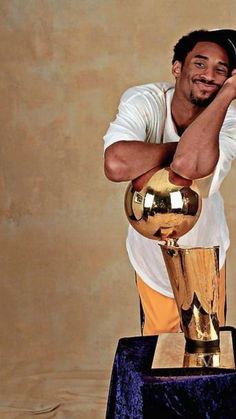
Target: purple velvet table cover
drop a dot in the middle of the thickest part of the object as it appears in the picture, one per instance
(137, 391)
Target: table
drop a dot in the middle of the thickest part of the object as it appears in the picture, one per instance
(138, 391)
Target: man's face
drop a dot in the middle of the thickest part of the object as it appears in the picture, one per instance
(203, 73)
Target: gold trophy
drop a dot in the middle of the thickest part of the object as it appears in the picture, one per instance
(164, 212)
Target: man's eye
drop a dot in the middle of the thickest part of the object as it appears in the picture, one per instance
(199, 64)
(222, 71)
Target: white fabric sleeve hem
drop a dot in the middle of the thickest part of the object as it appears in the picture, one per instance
(116, 137)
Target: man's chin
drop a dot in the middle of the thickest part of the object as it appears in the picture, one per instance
(202, 102)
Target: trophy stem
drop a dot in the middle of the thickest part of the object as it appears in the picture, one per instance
(194, 276)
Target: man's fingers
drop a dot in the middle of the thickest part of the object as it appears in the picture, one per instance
(140, 181)
(178, 180)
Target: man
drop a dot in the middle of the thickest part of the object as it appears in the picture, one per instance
(190, 127)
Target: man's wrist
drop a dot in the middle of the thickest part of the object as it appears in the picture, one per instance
(228, 92)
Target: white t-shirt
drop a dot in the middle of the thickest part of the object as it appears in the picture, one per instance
(145, 115)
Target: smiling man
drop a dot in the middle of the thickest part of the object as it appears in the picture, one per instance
(190, 127)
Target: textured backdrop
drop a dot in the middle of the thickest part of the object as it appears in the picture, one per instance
(67, 289)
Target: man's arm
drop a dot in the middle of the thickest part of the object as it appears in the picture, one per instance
(126, 160)
(197, 152)
(194, 157)
(138, 161)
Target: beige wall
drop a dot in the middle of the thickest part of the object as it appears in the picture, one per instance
(67, 290)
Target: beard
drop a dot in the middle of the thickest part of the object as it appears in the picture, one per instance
(203, 102)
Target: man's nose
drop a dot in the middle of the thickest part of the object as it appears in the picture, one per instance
(208, 74)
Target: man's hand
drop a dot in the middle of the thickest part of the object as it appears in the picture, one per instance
(231, 83)
(178, 180)
(140, 181)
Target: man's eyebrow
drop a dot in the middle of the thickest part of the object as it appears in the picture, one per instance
(207, 58)
(201, 56)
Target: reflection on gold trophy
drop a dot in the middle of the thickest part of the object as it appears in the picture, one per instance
(164, 212)
(194, 278)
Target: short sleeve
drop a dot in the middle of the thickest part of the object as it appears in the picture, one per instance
(141, 115)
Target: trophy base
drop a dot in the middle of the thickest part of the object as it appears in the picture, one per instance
(171, 352)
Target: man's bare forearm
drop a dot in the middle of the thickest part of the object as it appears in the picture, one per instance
(193, 157)
(197, 152)
(127, 160)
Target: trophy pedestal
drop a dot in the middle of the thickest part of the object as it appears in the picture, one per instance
(171, 353)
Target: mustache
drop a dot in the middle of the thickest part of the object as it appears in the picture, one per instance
(207, 82)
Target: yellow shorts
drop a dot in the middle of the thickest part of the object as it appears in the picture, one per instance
(160, 312)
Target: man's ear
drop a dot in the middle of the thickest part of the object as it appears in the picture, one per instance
(176, 69)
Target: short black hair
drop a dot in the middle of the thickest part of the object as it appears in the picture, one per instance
(220, 37)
